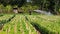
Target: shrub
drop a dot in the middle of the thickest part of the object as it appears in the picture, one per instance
(8, 9)
(1, 8)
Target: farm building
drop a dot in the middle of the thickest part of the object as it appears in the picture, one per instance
(17, 10)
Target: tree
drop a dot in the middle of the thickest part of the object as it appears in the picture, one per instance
(13, 2)
(49, 5)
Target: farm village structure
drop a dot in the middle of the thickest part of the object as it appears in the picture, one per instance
(15, 10)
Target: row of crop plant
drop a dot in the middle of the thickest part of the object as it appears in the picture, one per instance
(28, 27)
(8, 26)
(4, 21)
(46, 24)
(5, 17)
(18, 25)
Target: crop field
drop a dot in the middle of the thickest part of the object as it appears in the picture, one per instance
(29, 24)
(46, 24)
(17, 25)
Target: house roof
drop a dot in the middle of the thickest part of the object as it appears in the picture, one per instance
(15, 8)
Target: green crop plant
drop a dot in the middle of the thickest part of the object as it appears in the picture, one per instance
(47, 24)
(17, 26)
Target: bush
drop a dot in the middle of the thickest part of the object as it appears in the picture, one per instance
(8, 9)
(1, 8)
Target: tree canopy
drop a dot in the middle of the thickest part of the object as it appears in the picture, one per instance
(12, 2)
(49, 5)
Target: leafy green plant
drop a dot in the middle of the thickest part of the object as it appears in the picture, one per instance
(46, 24)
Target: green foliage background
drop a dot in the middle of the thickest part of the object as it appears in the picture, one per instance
(47, 5)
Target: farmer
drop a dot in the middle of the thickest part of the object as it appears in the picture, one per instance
(29, 12)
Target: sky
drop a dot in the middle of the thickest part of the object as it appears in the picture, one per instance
(28, 0)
